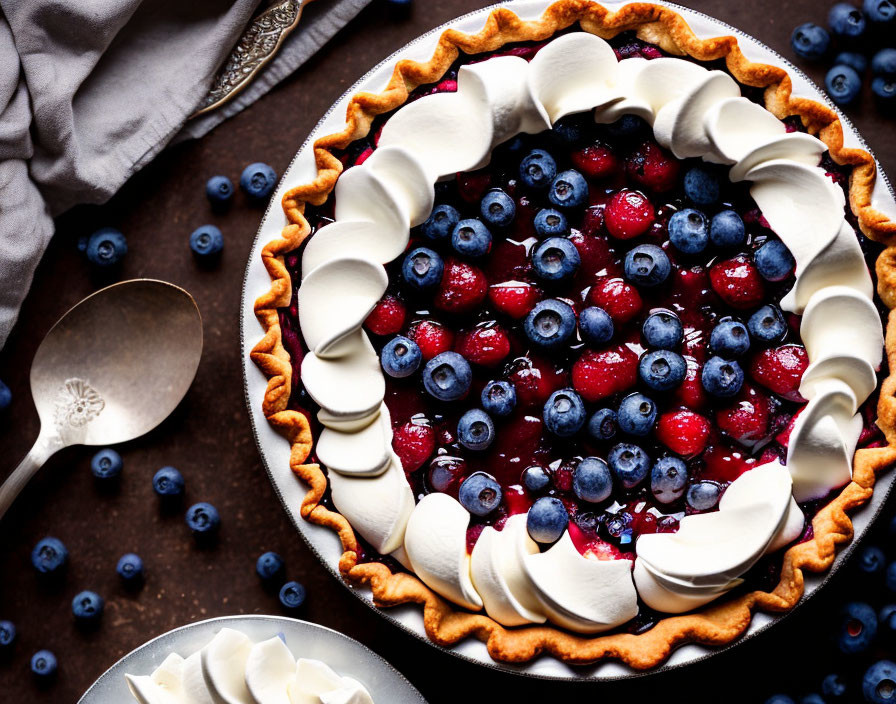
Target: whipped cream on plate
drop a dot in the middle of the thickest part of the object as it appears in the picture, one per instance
(695, 112)
(232, 669)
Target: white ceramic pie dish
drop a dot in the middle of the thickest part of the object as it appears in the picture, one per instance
(306, 640)
(275, 450)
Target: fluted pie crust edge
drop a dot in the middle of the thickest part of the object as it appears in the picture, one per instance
(716, 624)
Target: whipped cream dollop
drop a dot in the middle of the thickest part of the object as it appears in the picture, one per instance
(694, 112)
(232, 669)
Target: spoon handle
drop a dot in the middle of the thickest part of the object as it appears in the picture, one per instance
(43, 449)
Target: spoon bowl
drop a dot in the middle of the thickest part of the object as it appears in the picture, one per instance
(110, 370)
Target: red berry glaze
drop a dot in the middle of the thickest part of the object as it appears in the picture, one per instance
(387, 316)
(780, 369)
(463, 287)
(472, 185)
(737, 282)
(628, 214)
(683, 431)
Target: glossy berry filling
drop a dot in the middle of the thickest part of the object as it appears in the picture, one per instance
(652, 257)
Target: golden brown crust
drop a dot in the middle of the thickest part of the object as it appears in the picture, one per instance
(717, 624)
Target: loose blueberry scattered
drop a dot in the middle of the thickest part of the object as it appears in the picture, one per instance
(810, 41)
(292, 595)
(130, 569)
(858, 625)
(168, 483)
(87, 607)
(44, 665)
(879, 683)
(106, 247)
(847, 22)
(270, 567)
(843, 83)
(203, 520)
(7, 636)
(206, 242)
(106, 465)
(49, 556)
(219, 191)
(258, 181)
(5, 396)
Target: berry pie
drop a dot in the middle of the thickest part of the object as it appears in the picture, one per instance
(575, 336)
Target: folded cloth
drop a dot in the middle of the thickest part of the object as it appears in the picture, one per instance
(92, 90)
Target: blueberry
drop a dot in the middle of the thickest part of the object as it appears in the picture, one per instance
(130, 568)
(569, 190)
(858, 625)
(647, 265)
(774, 261)
(49, 556)
(547, 519)
(779, 699)
(595, 326)
(702, 185)
(884, 91)
(206, 242)
(847, 23)
(767, 324)
(703, 495)
(106, 247)
(219, 191)
(550, 223)
(879, 683)
(555, 259)
(471, 238)
(668, 479)
(890, 577)
(811, 699)
(258, 181)
(550, 323)
(879, 12)
(843, 84)
(592, 481)
(689, 231)
(628, 126)
(536, 478)
(106, 464)
(884, 63)
(570, 128)
(497, 208)
(810, 41)
(662, 370)
(43, 665)
(564, 413)
(853, 59)
(663, 330)
(629, 464)
(400, 357)
(270, 567)
(727, 229)
(480, 494)
(871, 560)
(168, 482)
(447, 376)
(87, 607)
(475, 430)
(292, 595)
(441, 222)
(499, 398)
(537, 169)
(203, 519)
(7, 636)
(603, 424)
(886, 619)
(722, 377)
(422, 268)
(5, 396)
(729, 339)
(637, 414)
(833, 687)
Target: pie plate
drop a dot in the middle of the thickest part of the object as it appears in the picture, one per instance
(275, 449)
(305, 640)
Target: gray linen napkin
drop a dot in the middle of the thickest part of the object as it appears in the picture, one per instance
(92, 90)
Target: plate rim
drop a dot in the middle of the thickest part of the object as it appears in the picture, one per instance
(813, 581)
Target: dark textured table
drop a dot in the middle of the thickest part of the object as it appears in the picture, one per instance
(208, 438)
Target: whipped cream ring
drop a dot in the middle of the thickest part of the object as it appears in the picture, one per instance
(719, 623)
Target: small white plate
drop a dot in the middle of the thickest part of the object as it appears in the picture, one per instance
(275, 450)
(306, 640)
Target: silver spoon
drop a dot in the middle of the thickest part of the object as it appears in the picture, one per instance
(111, 369)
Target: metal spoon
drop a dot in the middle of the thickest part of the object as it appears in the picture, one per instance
(111, 369)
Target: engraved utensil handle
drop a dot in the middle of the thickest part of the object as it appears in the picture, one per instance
(44, 448)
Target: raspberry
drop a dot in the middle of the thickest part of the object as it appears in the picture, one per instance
(593, 222)
(628, 214)
(737, 282)
(783, 438)
(364, 156)
(596, 375)
(472, 185)
(780, 369)
(596, 160)
(690, 392)
(594, 252)
(619, 298)
(514, 298)
(486, 345)
(413, 443)
(463, 287)
(387, 316)
(746, 421)
(683, 431)
(431, 337)
(653, 167)
(535, 380)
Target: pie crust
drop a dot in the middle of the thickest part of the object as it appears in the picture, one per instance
(716, 624)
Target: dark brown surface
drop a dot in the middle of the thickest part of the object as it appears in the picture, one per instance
(209, 439)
